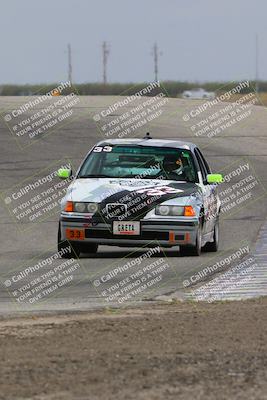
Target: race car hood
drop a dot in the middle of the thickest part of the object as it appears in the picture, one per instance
(137, 195)
(99, 189)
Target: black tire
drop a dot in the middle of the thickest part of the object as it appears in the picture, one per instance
(214, 245)
(88, 248)
(194, 250)
(67, 249)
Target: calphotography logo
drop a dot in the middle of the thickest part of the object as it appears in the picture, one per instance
(216, 116)
(37, 197)
(210, 270)
(38, 281)
(134, 112)
(42, 114)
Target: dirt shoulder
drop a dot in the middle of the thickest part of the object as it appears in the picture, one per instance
(174, 351)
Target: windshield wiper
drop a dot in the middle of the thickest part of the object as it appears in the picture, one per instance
(95, 176)
(132, 177)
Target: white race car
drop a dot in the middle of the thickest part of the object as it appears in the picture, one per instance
(140, 192)
(198, 93)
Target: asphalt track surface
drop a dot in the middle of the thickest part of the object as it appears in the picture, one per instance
(241, 143)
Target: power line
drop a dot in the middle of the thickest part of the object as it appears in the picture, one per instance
(105, 54)
(156, 53)
(69, 64)
(256, 63)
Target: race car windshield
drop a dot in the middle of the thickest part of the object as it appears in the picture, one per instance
(139, 162)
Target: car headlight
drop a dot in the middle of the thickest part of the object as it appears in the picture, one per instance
(81, 207)
(175, 211)
(92, 207)
(163, 210)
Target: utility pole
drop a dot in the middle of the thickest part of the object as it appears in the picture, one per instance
(256, 64)
(69, 64)
(106, 52)
(156, 53)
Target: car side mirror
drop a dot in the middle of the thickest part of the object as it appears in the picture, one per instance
(64, 173)
(214, 178)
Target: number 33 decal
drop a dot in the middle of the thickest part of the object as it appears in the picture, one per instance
(98, 149)
(159, 191)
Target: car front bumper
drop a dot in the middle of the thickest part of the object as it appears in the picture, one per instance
(153, 232)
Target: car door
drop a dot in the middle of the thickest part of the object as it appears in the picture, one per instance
(209, 193)
(214, 203)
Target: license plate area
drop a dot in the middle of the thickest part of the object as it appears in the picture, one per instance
(75, 234)
(129, 228)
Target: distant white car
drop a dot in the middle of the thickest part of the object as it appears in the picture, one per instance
(198, 93)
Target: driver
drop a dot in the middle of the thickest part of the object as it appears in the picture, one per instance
(172, 167)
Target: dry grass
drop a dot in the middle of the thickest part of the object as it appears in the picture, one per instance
(261, 98)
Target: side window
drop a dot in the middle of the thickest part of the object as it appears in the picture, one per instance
(204, 162)
(202, 166)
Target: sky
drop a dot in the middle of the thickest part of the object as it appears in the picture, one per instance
(200, 40)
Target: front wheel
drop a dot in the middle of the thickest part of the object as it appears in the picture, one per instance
(192, 250)
(88, 248)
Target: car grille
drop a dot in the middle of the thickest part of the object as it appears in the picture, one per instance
(145, 235)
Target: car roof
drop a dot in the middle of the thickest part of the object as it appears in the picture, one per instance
(150, 142)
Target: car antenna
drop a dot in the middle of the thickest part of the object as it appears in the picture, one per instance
(147, 136)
